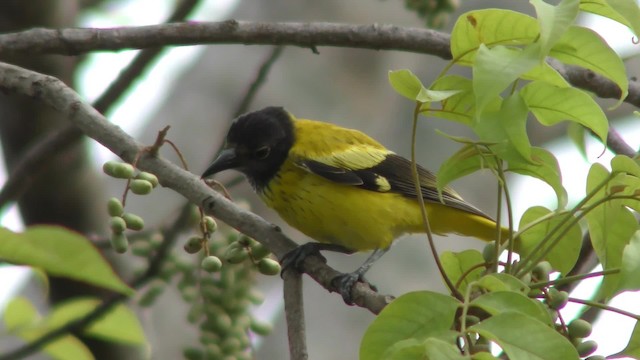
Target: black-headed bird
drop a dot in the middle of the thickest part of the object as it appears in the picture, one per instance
(340, 187)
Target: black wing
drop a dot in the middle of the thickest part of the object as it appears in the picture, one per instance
(393, 174)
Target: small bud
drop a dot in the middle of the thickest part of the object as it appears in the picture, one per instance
(579, 328)
(114, 207)
(143, 175)
(118, 169)
(193, 245)
(211, 264)
(119, 242)
(268, 266)
(211, 224)
(140, 187)
(117, 225)
(134, 222)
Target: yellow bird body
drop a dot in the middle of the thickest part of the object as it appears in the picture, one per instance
(355, 218)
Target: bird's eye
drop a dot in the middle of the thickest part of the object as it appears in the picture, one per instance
(262, 152)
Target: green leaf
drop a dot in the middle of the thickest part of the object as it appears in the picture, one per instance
(506, 127)
(458, 264)
(469, 159)
(630, 10)
(576, 134)
(584, 47)
(431, 348)
(554, 21)
(551, 105)
(565, 252)
(632, 349)
(415, 315)
(544, 167)
(490, 27)
(60, 252)
(631, 265)
(496, 68)
(611, 226)
(405, 83)
(502, 282)
(623, 163)
(118, 325)
(498, 302)
(544, 72)
(523, 337)
(602, 8)
(409, 86)
(19, 314)
(22, 319)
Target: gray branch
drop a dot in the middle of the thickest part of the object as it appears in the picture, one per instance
(307, 35)
(56, 94)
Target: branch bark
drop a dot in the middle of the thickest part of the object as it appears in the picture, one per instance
(56, 94)
(307, 35)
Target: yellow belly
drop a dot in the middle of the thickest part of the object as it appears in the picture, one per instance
(360, 219)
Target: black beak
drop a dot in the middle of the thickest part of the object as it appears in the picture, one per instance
(227, 159)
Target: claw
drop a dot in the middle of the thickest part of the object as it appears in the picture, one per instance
(295, 258)
(345, 282)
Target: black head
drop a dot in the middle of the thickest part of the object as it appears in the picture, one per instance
(257, 144)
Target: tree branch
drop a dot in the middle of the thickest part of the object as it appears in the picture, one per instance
(294, 312)
(56, 94)
(307, 35)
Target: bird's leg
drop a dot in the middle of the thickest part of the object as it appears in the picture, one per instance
(344, 283)
(295, 258)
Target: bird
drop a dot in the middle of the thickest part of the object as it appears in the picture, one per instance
(341, 188)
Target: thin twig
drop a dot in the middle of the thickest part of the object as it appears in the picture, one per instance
(294, 312)
(260, 79)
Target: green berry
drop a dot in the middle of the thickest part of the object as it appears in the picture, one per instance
(211, 264)
(259, 251)
(118, 169)
(134, 222)
(140, 187)
(586, 348)
(489, 252)
(230, 345)
(156, 239)
(155, 289)
(579, 328)
(143, 175)
(268, 266)
(114, 207)
(235, 254)
(211, 224)
(261, 327)
(193, 353)
(213, 351)
(541, 271)
(141, 248)
(255, 296)
(557, 299)
(193, 245)
(117, 225)
(119, 242)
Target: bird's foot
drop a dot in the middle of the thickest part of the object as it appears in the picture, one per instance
(295, 258)
(345, 282)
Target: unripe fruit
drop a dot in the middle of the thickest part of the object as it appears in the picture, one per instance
(211, 224)
(586, 348)
(193, 245)
(141, 248)
(260, 327)
(489, 252)
(541, 271)
(155, 289)
(119, 242)
(134, 222)
(235, 254)
(118, 169)
(579, 328)
(140, 187)
(192, 353)
(211, 264)
(268, 266)
(114, 207)
(259, 251)
(143, 175)
(117, 225)
(557, 299)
